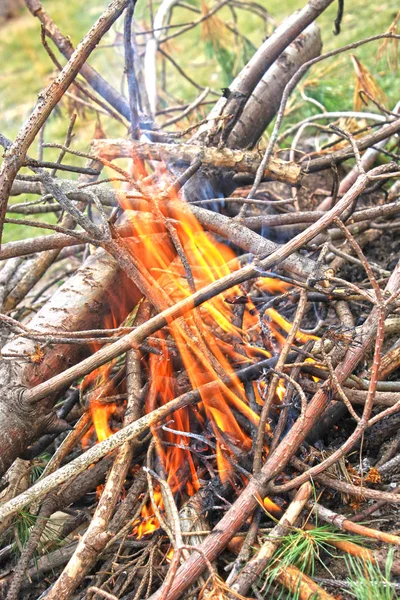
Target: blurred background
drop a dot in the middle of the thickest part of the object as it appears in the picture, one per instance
(211, 54)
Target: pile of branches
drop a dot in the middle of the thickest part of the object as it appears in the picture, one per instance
(310, 290)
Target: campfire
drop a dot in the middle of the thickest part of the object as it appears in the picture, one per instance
(200, 361)
(206, 345)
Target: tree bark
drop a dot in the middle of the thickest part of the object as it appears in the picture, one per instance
(82, 302)
(264, 102)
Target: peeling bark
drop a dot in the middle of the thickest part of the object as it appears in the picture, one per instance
(82, 302)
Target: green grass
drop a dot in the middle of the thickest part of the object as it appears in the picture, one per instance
(209, 60)
(26, 69)
(306, 549)
(361, 20)
(367, 582)
(13, 232)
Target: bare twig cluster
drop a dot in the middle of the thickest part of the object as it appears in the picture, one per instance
(198, 338)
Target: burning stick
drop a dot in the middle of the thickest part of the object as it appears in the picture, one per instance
(120, 437)
(201, 296)
(198, 341)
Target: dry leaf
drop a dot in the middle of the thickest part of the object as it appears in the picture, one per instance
(212, 28)
(37, 356)
(216, 589)
(373, 476)
(366, 83)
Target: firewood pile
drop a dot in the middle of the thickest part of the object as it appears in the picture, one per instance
(201, 358)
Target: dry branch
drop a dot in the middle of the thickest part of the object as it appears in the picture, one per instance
(119, 278)
(56, 359)
(237, 160)
(246, 503)
(245, 83)
(16, 154)
(225, 283)
(64, 45)
(262, 105)
(130, 432)
(257, 565)
(91, 282)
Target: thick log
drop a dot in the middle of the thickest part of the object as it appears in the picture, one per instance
(254, 96)
(252, 74)
(82, 302)
(264, 102)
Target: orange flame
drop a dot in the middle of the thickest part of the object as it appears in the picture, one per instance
(200, 337)
(209, 339)
(148, 522)
(101, 381)
(285, 325)
(280, 389)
